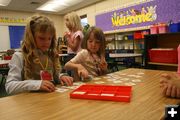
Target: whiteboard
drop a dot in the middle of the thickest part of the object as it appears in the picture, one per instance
(4, 38)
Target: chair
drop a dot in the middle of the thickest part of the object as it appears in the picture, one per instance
(3, 75)
(112, 64)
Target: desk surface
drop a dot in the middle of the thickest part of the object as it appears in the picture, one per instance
(3, 62)
(62, 55)
(123, 55)
(147, 103)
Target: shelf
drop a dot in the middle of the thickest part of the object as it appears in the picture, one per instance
(127, 30)
(163, 34)
(124, 40)
(164, 64)
(127, 42)
(138, 48)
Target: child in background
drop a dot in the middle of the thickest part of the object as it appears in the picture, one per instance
(90, 61)
(170, 84)
(74, 36)
(39, 54)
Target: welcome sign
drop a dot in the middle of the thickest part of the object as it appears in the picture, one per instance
(141, 15)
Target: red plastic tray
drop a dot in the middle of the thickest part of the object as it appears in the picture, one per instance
(103, 92)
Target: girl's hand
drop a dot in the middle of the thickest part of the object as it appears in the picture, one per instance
(171, 91)
(47, 86)
(66, 80)
(173, 79)
(66, 34)
(82, 72)
(169, 85)
(103, 64)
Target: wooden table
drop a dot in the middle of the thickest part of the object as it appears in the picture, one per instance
(147, 103)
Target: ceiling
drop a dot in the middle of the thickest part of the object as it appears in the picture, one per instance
(31, 5)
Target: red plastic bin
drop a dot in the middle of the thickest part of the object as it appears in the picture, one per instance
(138, 35)
(163, 56)
(103, 92)
(154, 29)
(162, 28)
(7, 57)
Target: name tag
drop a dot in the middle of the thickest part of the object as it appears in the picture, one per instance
(46, 75)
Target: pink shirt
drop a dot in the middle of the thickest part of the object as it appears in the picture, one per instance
(73, 37)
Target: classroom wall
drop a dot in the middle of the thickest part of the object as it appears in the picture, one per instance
(91, 11)
(106, 6)
(57, 19)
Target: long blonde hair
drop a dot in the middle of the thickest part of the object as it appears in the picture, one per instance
(38, 23)
(74, 21)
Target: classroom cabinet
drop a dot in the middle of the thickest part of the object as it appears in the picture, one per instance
(127, 42)
(161, 41)
(120, 42)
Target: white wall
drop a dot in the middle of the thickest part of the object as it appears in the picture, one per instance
(57, 19)
(4, 38)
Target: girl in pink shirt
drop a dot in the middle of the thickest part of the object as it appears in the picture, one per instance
(74, 36)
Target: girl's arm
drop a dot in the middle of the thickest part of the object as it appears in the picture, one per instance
(103, 65)
(82, 72)
(14, 83)
(74, 45)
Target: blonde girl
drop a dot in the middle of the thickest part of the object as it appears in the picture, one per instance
(39, 54)
(75, 35)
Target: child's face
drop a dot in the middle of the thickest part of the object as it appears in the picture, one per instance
(93, 45)
(43, 40)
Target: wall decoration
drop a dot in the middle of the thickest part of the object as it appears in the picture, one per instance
(144, 14)
(12, 20)
(16, 34)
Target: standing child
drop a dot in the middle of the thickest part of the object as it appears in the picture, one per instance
(90, 61)
(39, 55)
(74, 36)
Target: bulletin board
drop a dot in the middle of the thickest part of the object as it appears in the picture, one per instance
(139, 15)
(16, 34)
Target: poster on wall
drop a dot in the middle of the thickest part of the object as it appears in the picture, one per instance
(16, 34)
(140, 15)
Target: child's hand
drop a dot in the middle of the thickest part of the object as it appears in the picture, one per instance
(66, 80)
(47, 86)
(67, 35)
(103, 64)
(170, 84)
(173, 79)
(171, 91)
(82, 72)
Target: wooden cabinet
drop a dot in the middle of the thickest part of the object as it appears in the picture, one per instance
(167, 40)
